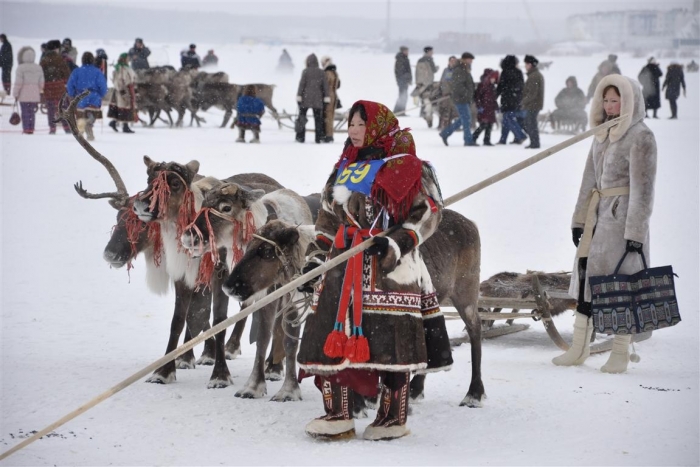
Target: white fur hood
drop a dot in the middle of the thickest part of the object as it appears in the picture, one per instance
(632, 104)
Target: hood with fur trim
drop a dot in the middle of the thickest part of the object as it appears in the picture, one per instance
(632, 104)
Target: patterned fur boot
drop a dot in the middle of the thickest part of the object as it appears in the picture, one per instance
(580, 348)
(620, 355)
(337, 424)
(393, 409)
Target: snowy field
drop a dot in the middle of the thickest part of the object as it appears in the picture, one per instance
(72, 327)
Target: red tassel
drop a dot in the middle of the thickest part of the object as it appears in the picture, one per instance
(155, 237)
(335, 344)
(361, 350)
(206, 270)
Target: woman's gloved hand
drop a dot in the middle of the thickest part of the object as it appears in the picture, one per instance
(576, 234)
(633, 246)
(308, 286)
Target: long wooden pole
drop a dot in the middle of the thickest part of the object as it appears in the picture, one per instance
(286, 289)
(530, 161)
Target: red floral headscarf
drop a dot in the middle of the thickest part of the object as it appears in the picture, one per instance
(399, 180)
(382, 132)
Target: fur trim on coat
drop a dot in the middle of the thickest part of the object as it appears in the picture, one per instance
(626, 158)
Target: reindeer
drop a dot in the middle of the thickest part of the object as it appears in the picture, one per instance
(452, 255)
(152, 92)
(171, 199)
(229, 216)
(130, 237)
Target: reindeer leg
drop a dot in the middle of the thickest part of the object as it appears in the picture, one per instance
(255, 387)
(233, 346)
(220, 376)
(186, 360)
(198, 321)
(227, 117)
(274, 367)
(466, 303)
(183, 295)
(290, 390)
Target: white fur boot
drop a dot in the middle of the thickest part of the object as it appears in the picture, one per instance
(82, 123)
(620, 355)
(580, 346)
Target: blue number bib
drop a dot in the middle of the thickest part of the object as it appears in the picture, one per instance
(359, 176)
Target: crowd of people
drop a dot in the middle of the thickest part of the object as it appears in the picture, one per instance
(460, 101)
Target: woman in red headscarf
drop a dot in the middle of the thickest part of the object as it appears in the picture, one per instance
(376, 318)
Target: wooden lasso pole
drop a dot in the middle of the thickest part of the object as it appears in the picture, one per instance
(291, 287)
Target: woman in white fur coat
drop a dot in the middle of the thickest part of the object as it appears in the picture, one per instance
(613, 208)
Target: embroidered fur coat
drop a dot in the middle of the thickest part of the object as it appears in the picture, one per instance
(401, 318)
(623, 156)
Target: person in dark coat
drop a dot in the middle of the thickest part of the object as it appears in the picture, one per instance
(404, 78)
(210, 59)
(56, 74)
(312, 94)
(533, 100)
(606, 67)
(672, 84)
(138, 55)
(101, 61)
(249, 110)
(446, 108)
(510, 89)
(87, 77)
(486, 105)
(571, 105)
(651, 86)
(189, 58)
(285, 65)
(462, 95)
(6, 62)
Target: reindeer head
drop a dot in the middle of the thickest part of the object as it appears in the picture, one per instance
(168, 195)
(129, 236)
(225, 219)
(272, 257)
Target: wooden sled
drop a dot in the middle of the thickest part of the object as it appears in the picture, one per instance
(539, 302)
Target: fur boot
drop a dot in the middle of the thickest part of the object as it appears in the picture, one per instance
(620, 355)
(393, 410)
(580, 347)
(241, 136)
(256, 137)
(89, 133)
(82, 123)
(337, 423)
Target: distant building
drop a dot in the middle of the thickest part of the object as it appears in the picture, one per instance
(639, 29)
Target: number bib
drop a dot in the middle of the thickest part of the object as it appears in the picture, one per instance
(359, 176)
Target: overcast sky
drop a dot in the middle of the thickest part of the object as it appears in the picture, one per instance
(399, 8)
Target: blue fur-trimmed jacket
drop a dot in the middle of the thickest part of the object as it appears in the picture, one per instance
(87, 77)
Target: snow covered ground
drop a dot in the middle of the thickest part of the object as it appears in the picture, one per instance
(71, 327)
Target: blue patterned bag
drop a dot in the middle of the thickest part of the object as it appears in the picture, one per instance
(634, 303)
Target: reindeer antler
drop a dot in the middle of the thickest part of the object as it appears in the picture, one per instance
(120, 197)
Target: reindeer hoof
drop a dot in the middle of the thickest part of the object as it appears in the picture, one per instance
(472, 402)
(160, 379)
(185, 364)
(285, 395)
(219, 383)
(252, 393)
(231, 355)
(207, 361)
(274, 375)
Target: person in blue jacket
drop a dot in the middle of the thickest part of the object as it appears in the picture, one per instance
(89, 108)
(249, 108)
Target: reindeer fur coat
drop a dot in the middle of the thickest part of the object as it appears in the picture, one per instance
(623, 156)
